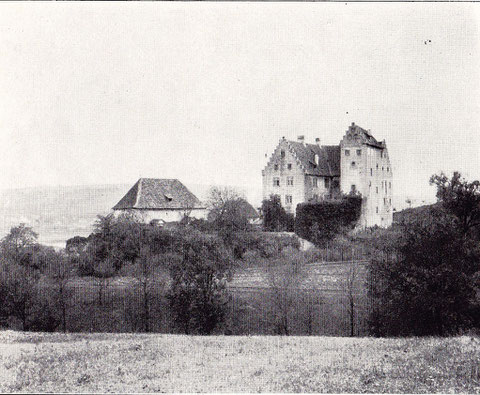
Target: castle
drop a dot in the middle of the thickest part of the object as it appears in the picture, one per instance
(298, 172)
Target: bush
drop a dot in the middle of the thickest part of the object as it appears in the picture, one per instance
(198, 295)
(275, 218)
(425, 284)
(321, 221)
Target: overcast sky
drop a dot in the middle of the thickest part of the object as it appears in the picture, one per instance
(106, 93)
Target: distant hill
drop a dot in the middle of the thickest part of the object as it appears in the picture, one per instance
(58, 213)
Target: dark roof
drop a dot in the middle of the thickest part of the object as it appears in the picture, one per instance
(158, 194)
(367, 136)
(328, 158)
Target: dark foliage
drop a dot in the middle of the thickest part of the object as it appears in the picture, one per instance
(198, 294)
(460, 198)
(321, 221)
(426, 280)
(275, 218)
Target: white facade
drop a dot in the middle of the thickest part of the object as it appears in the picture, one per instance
(364, 167)
(167, 215)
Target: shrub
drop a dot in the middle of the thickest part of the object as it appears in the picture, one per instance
(275, 218)
(321, 221)
(198, 295)
(427, 288)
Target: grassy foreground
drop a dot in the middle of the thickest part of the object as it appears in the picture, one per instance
(31, 362)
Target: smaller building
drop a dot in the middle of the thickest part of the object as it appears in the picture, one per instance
(161, 200)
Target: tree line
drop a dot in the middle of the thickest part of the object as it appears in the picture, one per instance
(423, 276)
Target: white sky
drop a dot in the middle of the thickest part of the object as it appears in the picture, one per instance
(105, 93)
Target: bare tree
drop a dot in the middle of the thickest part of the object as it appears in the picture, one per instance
(147, 271)
(61, 270)
(103, 275)
(351, 290)
(285, 276)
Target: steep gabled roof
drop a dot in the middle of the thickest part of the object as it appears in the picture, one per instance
(158, 194)
(365, 136)
(328, 158)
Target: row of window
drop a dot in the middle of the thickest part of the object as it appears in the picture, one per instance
(371, 169)
(385, 203)
(289, 166)
(359, 152)
(288, 198)
(276, 182)
(354, 164)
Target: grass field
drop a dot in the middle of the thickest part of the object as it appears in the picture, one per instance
(31, 362)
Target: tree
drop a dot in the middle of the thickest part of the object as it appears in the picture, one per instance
(285, 275)
(18, 292)
(428, 287)
(17, 244)
(275, 218)
(116, 239)
(103, 274)
(60, 271)
(198, 295)
(76, 245)
(147, 270)
(460, 198)
(227, 209)
(351, 287)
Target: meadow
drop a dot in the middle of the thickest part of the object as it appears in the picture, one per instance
(38, 362)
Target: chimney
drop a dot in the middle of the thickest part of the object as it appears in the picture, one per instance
(301, 139)
(317, 141)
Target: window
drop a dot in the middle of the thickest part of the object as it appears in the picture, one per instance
(290, 181)
(377, 210)
(353, 188)
(315, 196)
(314, 182)
(388, 169)
(288, 199)
(282, 154)
(359, 152)
(390, 185)
(353, 164)
(383, 168)
(347, 152)
(275, 167)
(289, 166)
(390, 200)
(376, 189)
(384, 200)
(369, 184)
(377, 166)
(276, 181)
(371, 171)
(381, 154)
(327, 183)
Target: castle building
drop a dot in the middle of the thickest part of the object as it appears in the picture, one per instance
(298, 172)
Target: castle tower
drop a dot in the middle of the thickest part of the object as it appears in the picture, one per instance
(365, 168)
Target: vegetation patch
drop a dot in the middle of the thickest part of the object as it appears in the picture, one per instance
(321, 221)
(177, 363)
